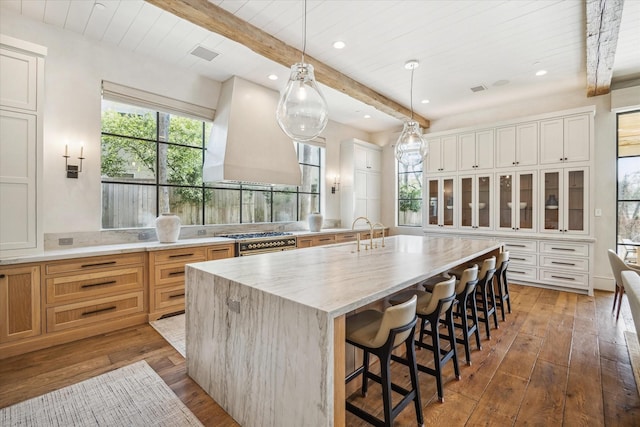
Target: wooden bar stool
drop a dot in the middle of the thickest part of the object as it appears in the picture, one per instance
(485, 297)
(501, 282)
(430, 308)
(379, 333)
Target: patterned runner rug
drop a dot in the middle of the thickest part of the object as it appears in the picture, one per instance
(172, 329)
(130, 396)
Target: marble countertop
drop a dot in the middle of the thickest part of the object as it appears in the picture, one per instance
(337, 279)
(111, 249)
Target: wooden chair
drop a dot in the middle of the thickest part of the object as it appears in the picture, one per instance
(617, 267)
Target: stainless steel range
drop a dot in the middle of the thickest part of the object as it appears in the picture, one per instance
(260, 243)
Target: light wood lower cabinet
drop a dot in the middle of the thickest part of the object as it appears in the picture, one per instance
(19, 303)
(166, 275)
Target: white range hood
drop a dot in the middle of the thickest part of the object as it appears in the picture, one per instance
(246, 143)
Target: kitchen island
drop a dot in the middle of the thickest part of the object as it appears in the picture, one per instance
(265, 335)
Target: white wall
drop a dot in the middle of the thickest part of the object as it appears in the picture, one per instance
(604, 227)
(74, 69)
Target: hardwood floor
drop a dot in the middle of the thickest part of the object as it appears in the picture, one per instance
(559, 359)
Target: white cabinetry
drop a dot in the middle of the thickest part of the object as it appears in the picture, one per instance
(476, 201)
(476, 150)
(565, 201)
(21, 83)
(565, 139)
(517, 145)
(441, 202)
(565, 264)
(443, 154)
(516, 202)
(360, 181)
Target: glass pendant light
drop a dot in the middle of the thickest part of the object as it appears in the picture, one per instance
(302, 111)
(411, 148)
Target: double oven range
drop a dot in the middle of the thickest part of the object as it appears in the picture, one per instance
(260, 243)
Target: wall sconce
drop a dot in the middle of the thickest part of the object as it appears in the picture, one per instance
(336, 184)
(72, 170)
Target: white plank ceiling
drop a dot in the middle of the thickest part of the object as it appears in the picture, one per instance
(460, 45)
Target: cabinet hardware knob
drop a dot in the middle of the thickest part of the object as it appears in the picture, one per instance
(2, 276)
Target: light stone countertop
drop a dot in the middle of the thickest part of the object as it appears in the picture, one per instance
(336, 279)
(146, 246)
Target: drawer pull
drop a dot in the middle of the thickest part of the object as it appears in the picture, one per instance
(176, 296)
(111, 282)
(517, 272)
(518, 259)
(2, 276)
(325, 239)
(513, 245)
(562, 263)
(563, 249)
(180, 255)
(97, 264)
(176, 273)
(100, 310)
(563, 278)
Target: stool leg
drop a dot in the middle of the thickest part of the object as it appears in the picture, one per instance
(505, 282)
(482, 291)
(452, 341)
(413, 373)
(365, 373)
(493, 303)
(423, 325)
(385, 375)
(615, 298)
(500, 295)
(474, 315)
(435, 338)
(462, 311)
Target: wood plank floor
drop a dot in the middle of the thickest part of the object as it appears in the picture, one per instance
(560, 359)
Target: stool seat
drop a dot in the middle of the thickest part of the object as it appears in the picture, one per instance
(422, 296)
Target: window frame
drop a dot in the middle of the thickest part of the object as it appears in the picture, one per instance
(620, 246)
(420, 199)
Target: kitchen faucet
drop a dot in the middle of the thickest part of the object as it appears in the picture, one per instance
(382, 228)
(358, 234)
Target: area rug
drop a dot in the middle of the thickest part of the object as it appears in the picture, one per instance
(130, 396)
(172, 329)
(634, 354)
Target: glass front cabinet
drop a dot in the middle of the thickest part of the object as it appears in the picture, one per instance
(441, 201)
(476, 199)
(564, 201)
(516, 201)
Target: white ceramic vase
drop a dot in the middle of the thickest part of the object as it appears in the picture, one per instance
(168, 228)
(315, 221)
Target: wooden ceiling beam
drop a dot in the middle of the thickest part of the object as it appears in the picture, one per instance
(218, 20)
(603, 26)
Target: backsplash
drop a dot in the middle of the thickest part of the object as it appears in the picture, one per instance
(55, 241)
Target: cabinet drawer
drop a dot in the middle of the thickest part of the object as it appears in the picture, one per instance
(522, 259)
(569, 279)
(78, 287)
(346, 237)
(221, 251)
(94, 263)
(520, 245)
(562, 248)
(559, 263)
(519, 272)
(326, 239)
(98, 310)
(167, 274)
(171, 296)
(184, 255)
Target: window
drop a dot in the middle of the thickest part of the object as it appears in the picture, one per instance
(152, 163)
(410, 195)
(628, 203)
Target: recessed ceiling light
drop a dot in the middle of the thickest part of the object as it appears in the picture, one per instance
(541, 72)
(424, 101)
(367, 116)
(273, 77)
(99, 6)
(339, 44)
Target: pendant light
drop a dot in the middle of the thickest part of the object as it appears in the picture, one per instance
(411, 148)
(302, 111)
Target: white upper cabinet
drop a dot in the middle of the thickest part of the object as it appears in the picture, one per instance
(517, 145)
(18, 86)
(443, 154)
(565, 139)
(360, 181)
(366, 158)
(476, 150)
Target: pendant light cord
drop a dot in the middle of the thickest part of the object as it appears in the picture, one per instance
(304, 30)
(411, 95)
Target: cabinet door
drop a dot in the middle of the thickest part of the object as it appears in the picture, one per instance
(359, 157)
(552, 181)
(467, 202)
(467, 151)
(374, 160)
(527, 144)
(576, 138)
(484, 200)
(19, 303)
(504, 203)
(434, 158)
(449, 154)
(526, 197)
(360, 184)
(484, 149)
(450, 202)
(434, 202)
(576, 218)
(551, 141)
(506, 147)
(18, 80)
(18, 221)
